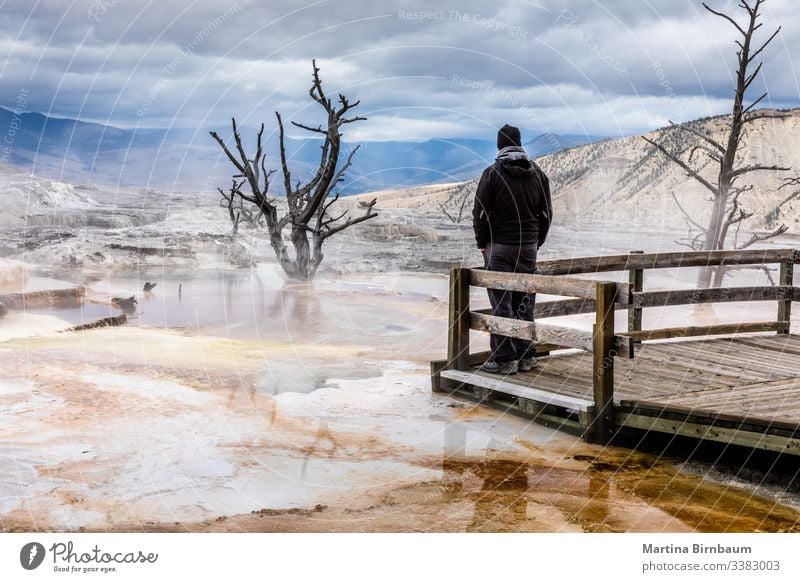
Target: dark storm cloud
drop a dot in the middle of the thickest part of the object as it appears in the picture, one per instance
(421, 69)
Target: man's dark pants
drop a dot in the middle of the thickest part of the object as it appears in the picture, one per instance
(512, 304)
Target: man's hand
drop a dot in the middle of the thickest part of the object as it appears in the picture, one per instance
(482, 250)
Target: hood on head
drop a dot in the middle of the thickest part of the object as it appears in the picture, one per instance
(514, 162)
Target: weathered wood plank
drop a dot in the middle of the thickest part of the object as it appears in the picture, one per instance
(788, 344)
(786, 277)
(713, 417)
(501, 385)
(695, 430)
(458, 319)
(665, 379)
(603, 362)
(557, 386)
(560, 308)
(563, 308)
(526, 283)
(636, 282)
(536, 332)
(712, 295)
(782, 348)
(697, 358)
(609, 263)
(702, 330)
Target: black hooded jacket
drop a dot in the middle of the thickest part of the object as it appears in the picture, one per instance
(512, 202)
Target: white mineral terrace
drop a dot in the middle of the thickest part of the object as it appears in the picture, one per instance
(249, 403)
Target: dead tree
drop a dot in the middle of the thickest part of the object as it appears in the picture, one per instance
(238, 211)
(309, 212)
(458, 198)
(728, 211)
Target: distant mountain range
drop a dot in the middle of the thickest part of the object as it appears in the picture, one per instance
(627, 181)
(188, 160)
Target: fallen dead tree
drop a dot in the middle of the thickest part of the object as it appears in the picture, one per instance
(112, 321)
(126, 304)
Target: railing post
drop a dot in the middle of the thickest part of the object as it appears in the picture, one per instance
(636, 280)
(458, 320)
(786, 278)
(602, 428)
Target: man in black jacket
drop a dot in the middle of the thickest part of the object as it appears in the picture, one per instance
(511, 218)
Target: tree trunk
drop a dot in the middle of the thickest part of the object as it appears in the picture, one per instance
(302, 253)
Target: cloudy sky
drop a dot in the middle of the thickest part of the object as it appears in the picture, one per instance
(421, 68)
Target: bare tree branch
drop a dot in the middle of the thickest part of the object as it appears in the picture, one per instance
(725, 16)
(759, 168)
(708, 151)
(792, 181)
(691, 172)
(686, 215)
(317, 129)
(763, 46)
(762, 237)
(754, 103)
(351, 221)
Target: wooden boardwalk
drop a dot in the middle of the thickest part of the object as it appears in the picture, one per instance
(740, 388)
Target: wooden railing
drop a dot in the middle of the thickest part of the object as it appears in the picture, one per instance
(604, 298)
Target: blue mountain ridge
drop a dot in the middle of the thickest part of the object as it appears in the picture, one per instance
(189, 160)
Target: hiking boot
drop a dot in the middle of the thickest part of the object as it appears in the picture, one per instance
(504, 368)
(527, 364)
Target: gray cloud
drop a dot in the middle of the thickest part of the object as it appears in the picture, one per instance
(455, 69)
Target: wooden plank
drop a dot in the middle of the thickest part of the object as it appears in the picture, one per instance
(663, 369)
(609, 263)
(783, 348)
(555, 385)
(790, 344)
(737, 401)
(436, 381)
(667, 378)
(536, 332)
(563, 308)
(713, 418)
(579, 265)
(701, 358)
(526, 283)
(532, 410)
(703, 330)
(499, 385)
(786, 278)
(710, 433)
(458, 319)
(636, 282)
(603, 363)
(624, 346)
(560, 308)
(712, 295)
